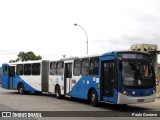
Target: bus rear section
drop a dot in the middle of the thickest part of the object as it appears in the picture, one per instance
(29, 76)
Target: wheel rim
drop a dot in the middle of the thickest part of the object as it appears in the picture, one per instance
(93, 96)
(21, 90)
(57, 93)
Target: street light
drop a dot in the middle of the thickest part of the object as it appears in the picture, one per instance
(85, 33)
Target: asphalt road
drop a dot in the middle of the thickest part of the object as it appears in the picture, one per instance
(12, 101)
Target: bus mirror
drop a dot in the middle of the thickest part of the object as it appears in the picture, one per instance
(119, 61)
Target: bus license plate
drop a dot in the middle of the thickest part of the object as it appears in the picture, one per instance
(140, 100)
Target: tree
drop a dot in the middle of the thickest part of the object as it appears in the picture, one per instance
(26, 56)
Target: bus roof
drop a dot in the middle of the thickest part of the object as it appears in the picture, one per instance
(113, 53)
(25, 62)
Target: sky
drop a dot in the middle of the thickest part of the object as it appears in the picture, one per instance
(46, 27)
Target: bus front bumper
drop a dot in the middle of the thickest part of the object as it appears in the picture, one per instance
(123, 99)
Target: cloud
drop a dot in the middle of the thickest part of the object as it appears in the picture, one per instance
(46, 28)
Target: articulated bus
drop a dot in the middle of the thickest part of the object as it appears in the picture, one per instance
(124, 77)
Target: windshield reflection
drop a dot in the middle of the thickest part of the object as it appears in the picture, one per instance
(137, 74)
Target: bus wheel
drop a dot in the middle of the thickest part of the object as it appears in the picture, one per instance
(58, 92)
(21, 89)
(94, 98)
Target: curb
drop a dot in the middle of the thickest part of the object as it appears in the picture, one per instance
(157, 95)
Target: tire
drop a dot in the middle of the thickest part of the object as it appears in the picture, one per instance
(94, 98)
(21, 89)
(58, 92)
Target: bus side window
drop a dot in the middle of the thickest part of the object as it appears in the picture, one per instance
(36, 69)
(5, 69)
(105, 77)
(11, 71)
(53, 68)
(60, 68)
(77, 68)
(85, 67)
(94, 66)
(112, 72)
(19, 69)
(27, 69)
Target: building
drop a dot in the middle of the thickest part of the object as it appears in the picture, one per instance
(158, 68)
(158, 77)
(0, 75)
(151, 48)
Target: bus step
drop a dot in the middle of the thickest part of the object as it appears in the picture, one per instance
(106, 102)
(67, 96)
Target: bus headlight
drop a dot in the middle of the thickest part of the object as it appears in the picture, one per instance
(133, 92)
(154, 91)
(125, 92)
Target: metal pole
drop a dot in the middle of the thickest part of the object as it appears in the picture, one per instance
(85, 33)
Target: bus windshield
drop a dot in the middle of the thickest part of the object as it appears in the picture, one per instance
(137, 74)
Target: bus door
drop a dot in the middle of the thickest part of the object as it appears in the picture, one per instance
(11, 77)
(107, 80)
(68, 78)
(5, 79)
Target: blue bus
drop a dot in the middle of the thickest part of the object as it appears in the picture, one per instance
(30, 76)
(119, 77)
